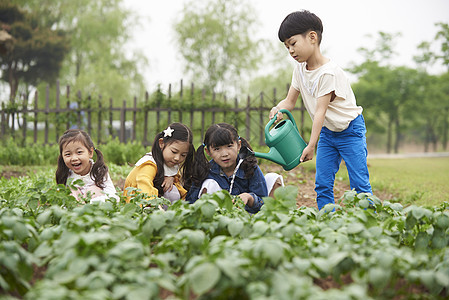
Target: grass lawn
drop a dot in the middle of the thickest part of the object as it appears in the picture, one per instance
(419, 181)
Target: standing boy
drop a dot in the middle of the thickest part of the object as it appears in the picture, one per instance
(330, 102)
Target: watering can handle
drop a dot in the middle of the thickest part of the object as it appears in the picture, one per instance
(290, 116)
(283, 110)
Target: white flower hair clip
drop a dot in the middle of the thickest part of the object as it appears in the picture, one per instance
(168, 131)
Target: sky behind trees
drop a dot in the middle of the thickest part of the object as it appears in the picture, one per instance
(346, 26)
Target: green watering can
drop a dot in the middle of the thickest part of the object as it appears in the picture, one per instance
(285, 143)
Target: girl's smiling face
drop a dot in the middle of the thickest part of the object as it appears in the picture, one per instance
(225, 156)
(77, 157)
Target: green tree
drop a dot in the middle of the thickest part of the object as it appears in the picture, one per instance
(443, 36)
(37, 51)
(98, 63)
(217, 42)
(387, 92)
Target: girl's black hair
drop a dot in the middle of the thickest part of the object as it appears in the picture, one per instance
(300, 22)
(99, 169)
(219, 135)
(180, 133)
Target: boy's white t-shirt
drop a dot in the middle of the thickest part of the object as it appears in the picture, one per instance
(316, 83)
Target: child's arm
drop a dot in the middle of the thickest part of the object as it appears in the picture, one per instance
(318, 120)
(288, 103)
(168, 183)
(257, 189)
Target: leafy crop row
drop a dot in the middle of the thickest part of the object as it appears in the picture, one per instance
(53, 248)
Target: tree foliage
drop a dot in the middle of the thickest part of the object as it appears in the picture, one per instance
(98, 30)
(37, 50)
(217, 42)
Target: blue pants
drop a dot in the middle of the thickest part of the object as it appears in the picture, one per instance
(349, 145)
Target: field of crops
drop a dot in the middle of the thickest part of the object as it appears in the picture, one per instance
(54, 248)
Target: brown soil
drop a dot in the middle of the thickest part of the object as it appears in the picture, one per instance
(305, 180)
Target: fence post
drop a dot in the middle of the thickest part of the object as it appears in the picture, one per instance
(3, 118)
(57, 117)
(47, 104)
(35, 115)
(133, 134)
(99, 119)
(89, 115)
(180, 102)
(24, 124)
(203, 115)
(122, 122)
(248, 116)
(158, 109)
(261, 121)
(236, 113)
(168, 103)
(111, 116)
(225, 100)
(213, 107)
(79, 109)
(145, 120)
(69, 115)
(191, 104)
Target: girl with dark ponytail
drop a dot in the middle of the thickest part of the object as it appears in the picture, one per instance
(232, 168)
(76, 151)
(166, 170)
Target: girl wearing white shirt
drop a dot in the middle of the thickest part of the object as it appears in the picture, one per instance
(76, 151)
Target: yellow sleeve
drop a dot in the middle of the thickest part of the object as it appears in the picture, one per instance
(141, 177)
(145, 177)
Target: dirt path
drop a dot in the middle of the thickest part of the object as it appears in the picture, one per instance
(305, 180)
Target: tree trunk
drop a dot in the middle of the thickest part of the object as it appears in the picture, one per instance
(389, 135)
(398, 135)
(445, 125)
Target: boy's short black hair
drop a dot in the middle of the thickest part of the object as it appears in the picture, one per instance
(300, 22)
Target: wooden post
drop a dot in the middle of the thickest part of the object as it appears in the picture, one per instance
(191, 104)
(158, 110)
(89, 115)
(79, 109)
(47, 94)
(261, 121)
(111, 116)
(145, 121)
(100, 121)
(203, 97)
(122, 122)
(69, 115)
(3, 119)
(35, 116)
(57, 113)
(133, 134)
(168, 104)
(180, 101)
(248, 118)
(213, 107)
(236, 114)
(225, 100)
(24, 125)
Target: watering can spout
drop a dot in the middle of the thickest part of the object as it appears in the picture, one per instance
(272, 155)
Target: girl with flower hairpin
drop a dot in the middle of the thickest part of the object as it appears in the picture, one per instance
(166, 170)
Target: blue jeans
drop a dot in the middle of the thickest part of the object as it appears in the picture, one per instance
(349, 145)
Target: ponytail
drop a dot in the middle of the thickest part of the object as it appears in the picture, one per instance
(99, 170)
(201, 166)
(250, 162)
